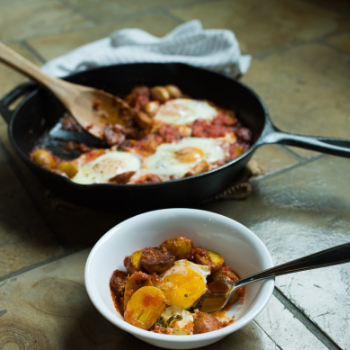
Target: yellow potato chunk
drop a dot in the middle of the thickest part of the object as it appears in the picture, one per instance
(151, 108)
(143, 120)
(217, 260)
(68, 168)
(174, 91)
(135, 282)
(145, 307)
(43, 158)
(133, 262)
(180, 247)
(160, 93)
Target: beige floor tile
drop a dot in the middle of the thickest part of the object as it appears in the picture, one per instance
(10, 78)
(264, 25)
(304, 89)
(20, 19)
(48, 308)
(25, 239)
(109, 10)
(341, 41)
(56, 45)
(272, 158)
(303, 152)
(297, 213)
(287, 332)
(80, 226)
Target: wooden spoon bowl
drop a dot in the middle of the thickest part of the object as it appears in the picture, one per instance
(92, 108)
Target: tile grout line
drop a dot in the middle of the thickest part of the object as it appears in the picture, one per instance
(50, 221)
(39, 264)
(298, 157)
(330, 46)
(268, 335)
(32, 50)
(172, 16)
(288, 168)
(76, 10)
(299, 315)
(283, 48)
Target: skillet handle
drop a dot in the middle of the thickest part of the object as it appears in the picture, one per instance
(334, 146)
(12, 96)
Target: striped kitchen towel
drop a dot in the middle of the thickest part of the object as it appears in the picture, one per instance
(212, 49)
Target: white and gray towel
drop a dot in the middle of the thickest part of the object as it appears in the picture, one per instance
(212, 49)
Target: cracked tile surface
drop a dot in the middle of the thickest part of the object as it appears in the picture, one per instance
(21, 19)
(266, 25)
(56, 45)
(25, 238)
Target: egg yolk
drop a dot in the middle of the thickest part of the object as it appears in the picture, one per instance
(183, 289)
(189, 154)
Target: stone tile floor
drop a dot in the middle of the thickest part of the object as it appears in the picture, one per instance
(300, 67)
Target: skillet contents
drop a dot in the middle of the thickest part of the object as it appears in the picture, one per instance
(167, 136)
(162, 288)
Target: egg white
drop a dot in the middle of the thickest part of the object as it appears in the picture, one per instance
(103, 168)
(182, 111)
(164, 161)
(183, 326)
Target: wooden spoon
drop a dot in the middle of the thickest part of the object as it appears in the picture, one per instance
(93, 109)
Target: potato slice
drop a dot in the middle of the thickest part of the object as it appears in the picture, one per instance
(143, 120)
(145, 307)
(160, 93)
(180, 247)
(68, 168)
(43, 158)
(133, 262)
(151, 108)
(135, 281)
(209, 258)
(174, 91)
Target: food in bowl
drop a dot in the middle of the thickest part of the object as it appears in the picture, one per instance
(164, 286)
(166, 136)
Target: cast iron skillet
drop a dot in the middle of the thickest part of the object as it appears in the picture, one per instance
(26, 127)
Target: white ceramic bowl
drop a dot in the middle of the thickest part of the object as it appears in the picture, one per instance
(242, 249)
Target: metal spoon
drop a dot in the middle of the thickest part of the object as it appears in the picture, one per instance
(78, 99)
(217, 298)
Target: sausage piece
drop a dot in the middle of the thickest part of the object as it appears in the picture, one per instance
(205, 323)
(156, 260)
(224, 274)
(122, 178)
(117, 284)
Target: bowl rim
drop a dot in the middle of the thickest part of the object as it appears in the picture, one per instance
(266, 289)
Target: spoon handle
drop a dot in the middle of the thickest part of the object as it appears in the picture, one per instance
(24, 66)
(332, 256)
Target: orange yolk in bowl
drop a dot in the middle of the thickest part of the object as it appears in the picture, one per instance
(184, 283)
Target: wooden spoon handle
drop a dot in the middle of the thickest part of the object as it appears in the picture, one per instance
(22, 65)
